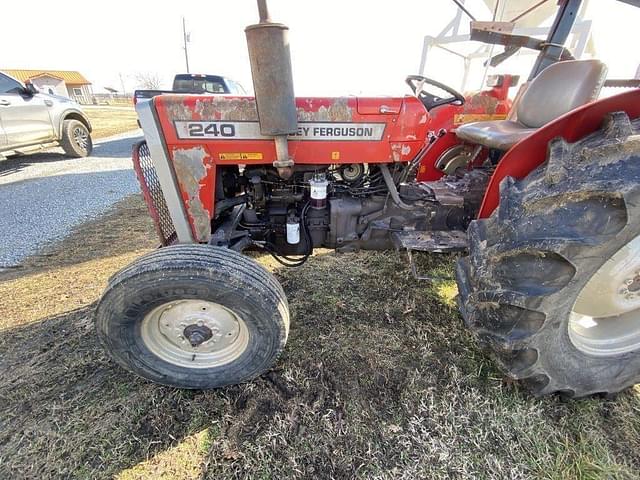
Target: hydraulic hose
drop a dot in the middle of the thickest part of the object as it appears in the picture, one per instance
(393, 191)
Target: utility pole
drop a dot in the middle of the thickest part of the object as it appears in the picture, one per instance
(185, 37)
(122, 84)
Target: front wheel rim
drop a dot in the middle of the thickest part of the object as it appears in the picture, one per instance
(605, 319)
(81, 137)
(195, 333)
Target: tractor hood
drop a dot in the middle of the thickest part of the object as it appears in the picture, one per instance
(339, 129)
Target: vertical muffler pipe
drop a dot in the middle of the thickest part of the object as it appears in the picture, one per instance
(268, 45)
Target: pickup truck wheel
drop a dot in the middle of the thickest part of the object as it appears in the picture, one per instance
(552, 282)
(76, 139)
(194, 316)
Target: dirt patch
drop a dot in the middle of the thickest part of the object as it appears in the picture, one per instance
(378, 380)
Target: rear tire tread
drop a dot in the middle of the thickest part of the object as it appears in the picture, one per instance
(531, 218)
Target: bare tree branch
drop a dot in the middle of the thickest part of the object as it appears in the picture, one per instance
(148, 80)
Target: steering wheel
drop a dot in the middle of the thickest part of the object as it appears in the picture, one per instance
(417, 83)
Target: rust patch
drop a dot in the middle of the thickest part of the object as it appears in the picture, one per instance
(234, 109)
(338, 111)
(213, 108)
(244, 109)
(396, 152)
(481, 104)
(190, 170)
(177, 110)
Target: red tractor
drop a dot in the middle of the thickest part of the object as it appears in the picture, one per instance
(546, 203)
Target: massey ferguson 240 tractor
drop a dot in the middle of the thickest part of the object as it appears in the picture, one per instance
(546, 204)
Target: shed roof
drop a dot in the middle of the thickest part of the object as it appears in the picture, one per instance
(70, 77)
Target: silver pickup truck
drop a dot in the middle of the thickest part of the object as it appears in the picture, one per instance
(30, 120)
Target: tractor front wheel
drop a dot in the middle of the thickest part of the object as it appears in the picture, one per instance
(194, 316)
(552, 282)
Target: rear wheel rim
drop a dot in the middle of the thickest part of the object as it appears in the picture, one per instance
(195, 333)
(605, 319)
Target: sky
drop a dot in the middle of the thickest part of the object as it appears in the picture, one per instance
(338, 46)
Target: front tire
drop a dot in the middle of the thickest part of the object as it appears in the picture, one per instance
(552, 282)
(194, 316)
(76, 139)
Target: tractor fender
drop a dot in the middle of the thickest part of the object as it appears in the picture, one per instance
(531, 152)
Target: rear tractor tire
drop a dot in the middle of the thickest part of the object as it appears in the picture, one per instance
(552, 281)
(194, 316)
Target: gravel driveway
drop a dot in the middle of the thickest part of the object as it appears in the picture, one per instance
(44, 195)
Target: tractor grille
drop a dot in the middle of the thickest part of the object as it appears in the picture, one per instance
(152, 192)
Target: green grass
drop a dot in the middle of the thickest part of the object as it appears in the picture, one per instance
(379, 380)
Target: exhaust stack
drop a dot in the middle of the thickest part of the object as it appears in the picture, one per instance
(268, 45)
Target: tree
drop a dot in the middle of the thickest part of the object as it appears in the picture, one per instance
(148, 80)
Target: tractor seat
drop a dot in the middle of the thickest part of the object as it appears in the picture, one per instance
(558, 89)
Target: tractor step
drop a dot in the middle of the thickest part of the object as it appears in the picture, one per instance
(434, 241)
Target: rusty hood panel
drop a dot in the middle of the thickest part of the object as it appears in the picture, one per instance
(330, 129)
